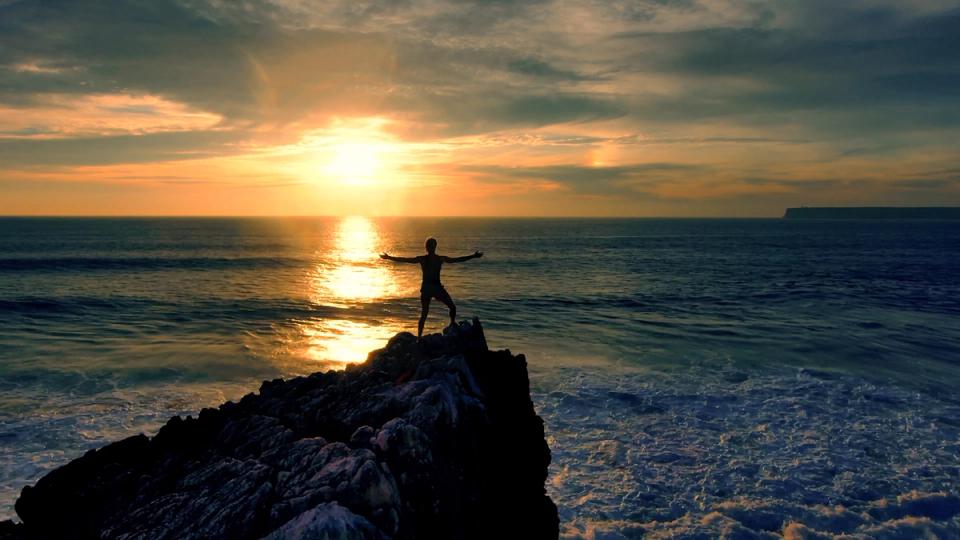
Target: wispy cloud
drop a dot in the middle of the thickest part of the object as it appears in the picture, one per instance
(690, 100)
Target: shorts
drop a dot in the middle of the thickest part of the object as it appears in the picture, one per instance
(433, 290)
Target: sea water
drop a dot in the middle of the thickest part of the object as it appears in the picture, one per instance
(695, 376)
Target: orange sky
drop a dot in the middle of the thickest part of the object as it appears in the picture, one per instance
(462, 108)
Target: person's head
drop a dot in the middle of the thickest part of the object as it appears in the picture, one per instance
(431, 245)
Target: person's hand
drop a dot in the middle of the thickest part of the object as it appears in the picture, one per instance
(384, 255)
(478, 254)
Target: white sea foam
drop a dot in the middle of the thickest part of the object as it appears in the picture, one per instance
(38, 439)
(702, 453)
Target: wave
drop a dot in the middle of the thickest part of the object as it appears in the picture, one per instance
(706, 450)
(149, 310)
(72, 264)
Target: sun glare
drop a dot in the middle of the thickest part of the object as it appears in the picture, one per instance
(351, 275)
(354, 163)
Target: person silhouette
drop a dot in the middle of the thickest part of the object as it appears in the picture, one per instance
(431, 287)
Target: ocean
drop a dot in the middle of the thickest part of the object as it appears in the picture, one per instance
(695, 375)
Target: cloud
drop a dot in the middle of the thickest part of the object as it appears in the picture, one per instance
(873, 68)
(589, 179)
(808, 83)
(467, 66)
(117, 149)
(543, 70)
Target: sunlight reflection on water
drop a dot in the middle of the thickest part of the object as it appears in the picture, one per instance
(351, 273)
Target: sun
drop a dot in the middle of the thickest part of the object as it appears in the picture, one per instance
(355, 163)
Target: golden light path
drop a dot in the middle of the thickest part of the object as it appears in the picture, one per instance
(351, 274)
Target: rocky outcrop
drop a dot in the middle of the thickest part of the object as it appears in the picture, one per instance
(431, 440)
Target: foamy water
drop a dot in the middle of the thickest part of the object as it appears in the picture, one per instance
(722, 451)
(696, 376)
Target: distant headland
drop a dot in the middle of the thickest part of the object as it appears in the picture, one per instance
(874, 212)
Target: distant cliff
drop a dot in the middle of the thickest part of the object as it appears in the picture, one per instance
(874, 212)
(438, 440)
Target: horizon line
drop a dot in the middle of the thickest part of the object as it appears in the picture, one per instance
(315, 216)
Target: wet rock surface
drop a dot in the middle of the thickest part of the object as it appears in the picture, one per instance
(431, 440)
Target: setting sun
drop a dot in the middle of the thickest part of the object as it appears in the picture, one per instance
(354, 163)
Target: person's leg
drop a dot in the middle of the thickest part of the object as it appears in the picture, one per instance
(424, 310)
(444, 297)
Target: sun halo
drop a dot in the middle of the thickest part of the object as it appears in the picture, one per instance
(355, 163)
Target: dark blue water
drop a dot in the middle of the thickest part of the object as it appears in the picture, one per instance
(109, 326)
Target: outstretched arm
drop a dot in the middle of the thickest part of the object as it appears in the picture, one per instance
(465, 258)
(388, 257)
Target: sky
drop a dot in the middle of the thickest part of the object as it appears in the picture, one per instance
(461, 107)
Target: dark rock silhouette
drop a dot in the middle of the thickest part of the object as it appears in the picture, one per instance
(438, 440)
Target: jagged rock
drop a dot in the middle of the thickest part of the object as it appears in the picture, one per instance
(431, 440)
(327, 521)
